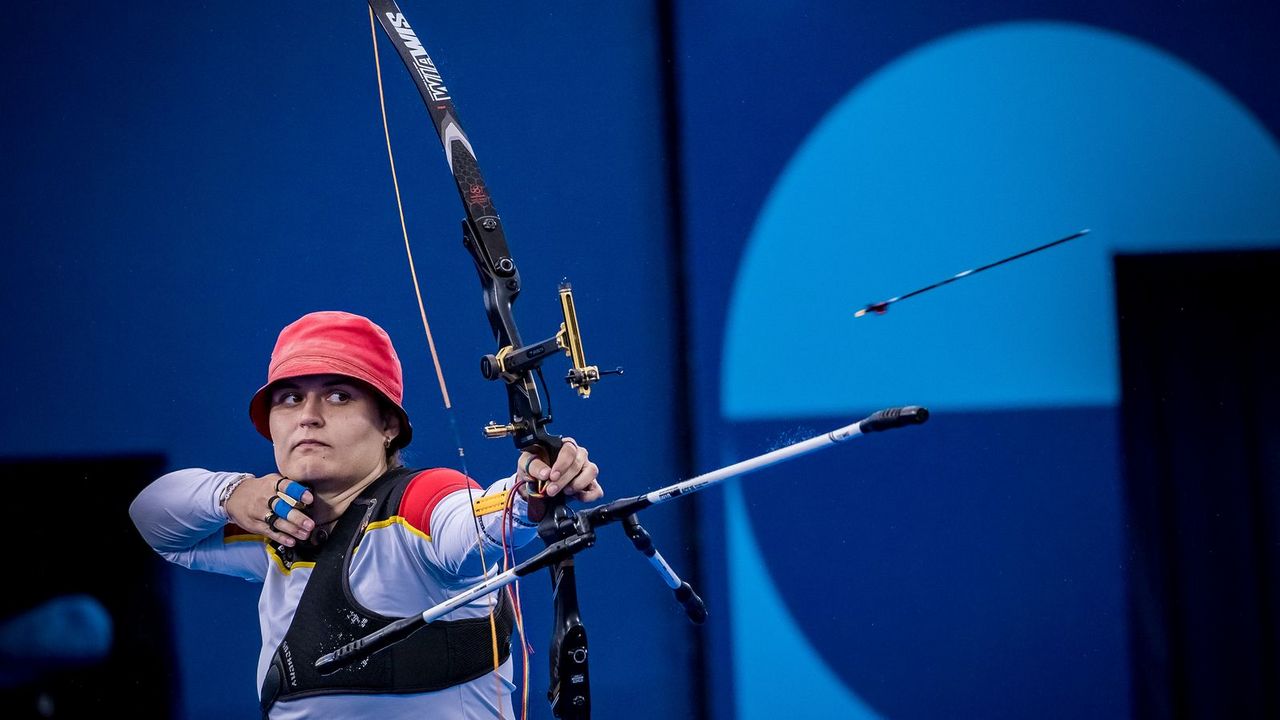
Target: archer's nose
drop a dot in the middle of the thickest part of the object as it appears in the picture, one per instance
(311, 414)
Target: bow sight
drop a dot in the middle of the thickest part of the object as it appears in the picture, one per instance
(509, 363)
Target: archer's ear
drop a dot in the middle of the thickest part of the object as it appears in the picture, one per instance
(391, 422)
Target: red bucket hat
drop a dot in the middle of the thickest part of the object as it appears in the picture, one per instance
(334, 343)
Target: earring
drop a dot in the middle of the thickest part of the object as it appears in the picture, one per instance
(386, 443)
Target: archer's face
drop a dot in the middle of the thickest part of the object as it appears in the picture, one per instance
(328, 430)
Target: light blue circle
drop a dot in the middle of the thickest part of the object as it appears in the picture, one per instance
(968, 149)
(971, 148)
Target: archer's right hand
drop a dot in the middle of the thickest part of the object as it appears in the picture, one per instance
(272, 506)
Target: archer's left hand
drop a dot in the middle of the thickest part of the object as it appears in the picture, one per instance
(571, 472)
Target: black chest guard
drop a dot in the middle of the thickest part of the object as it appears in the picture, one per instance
(438, 656)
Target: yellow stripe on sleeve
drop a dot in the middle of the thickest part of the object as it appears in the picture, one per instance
(489, 504)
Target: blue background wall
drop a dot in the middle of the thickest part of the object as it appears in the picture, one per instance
(177, 187)
(181, 182)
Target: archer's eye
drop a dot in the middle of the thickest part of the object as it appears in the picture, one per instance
(287, 398)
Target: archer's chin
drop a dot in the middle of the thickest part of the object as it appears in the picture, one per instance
(308, 470)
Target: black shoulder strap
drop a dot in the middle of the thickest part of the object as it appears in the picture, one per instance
(440, 655)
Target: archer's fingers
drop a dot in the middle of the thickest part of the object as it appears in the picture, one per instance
(288, 530)
(287, 520)
(569, 462)
(531, 467)
(593, 492)
(583, 481)
(295, 490)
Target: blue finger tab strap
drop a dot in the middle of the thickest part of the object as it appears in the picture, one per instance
(294, 490)
(293, 503)
(281, 507)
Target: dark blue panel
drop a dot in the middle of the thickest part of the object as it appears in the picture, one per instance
(970, 567)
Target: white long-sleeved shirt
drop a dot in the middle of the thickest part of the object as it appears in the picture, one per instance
(401, 568)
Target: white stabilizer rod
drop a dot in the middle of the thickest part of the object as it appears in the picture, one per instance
(475, 591)
(758, 462)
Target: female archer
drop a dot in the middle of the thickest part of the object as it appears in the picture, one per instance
(345, 539)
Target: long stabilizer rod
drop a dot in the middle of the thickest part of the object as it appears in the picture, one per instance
(883, 420)
(591, 518)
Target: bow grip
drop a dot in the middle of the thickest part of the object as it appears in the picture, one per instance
(537, 499)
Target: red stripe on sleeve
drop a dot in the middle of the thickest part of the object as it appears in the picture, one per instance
(426, 490)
